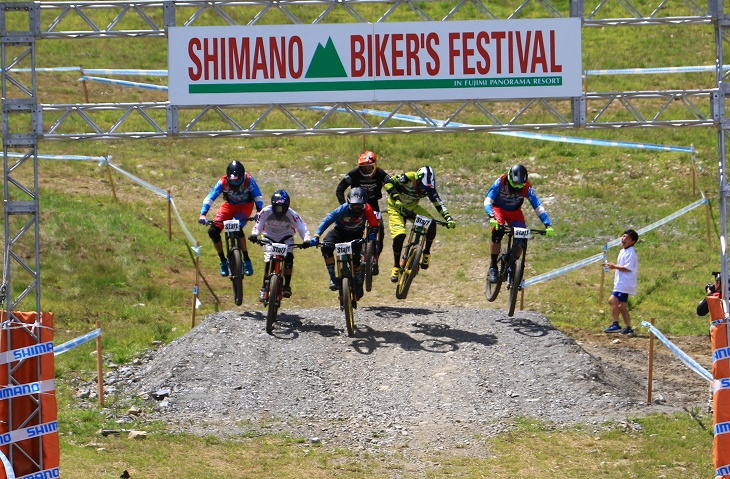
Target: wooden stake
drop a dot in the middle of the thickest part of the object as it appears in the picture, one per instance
(195, 290)
(707, 222)
(600, 289)
(99, 368)
(86, 90)
(651, 363)
(169, 216)
(111, 180)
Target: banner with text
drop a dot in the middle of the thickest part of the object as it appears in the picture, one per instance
(492, 59)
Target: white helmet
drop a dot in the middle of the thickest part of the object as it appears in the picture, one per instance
(426, 176)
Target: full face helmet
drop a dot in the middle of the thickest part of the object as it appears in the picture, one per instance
(235, 173)
(426, 177)
(366, 163)
(280, 203)
(357, 198)
(517, 177)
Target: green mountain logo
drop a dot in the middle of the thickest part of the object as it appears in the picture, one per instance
(326, 63)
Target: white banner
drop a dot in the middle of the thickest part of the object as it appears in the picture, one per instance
(492, 59)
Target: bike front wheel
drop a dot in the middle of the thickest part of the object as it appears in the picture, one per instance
(273, 303)
(346, 292)
(515, 286)
(369, 257)
(236, 265)
(410, 270)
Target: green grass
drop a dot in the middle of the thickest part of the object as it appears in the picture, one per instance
(111, 261)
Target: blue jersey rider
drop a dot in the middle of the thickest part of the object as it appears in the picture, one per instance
(240, 194)
(349, 220)
(503, 205)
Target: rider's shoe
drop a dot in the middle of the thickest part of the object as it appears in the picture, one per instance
(425, 260)
(394, 273)
(247, 268)
(492, 275)
(333, 286)
(375, 269)
(287, 291)
(262, 295)
(224, 268)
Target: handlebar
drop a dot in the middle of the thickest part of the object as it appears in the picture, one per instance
(212, 222)
(509, 228)
(332, 244)
(265, 241)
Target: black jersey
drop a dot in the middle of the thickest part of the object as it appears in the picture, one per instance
(373, 185)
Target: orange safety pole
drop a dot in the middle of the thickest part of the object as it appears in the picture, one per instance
(707, 222)
(169, 216)
(99, 368)
(651, 364)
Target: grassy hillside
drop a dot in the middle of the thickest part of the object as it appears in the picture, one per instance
(112, 261)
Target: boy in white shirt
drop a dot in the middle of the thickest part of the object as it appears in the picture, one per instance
(624, 282)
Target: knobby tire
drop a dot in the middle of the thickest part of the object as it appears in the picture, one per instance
(273, 303)
(518, 269)
(347, 306)
(410, 270)
(493, 288)
(369, 258)
(236, 264)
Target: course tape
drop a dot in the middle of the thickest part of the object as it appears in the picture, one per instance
(27, 389)
(28, 432)
(599, 257)
(520, 134)
(691, 363)
(146, 86)
(44, 474)
(26, 352)
(62, 157)
(644, 71)
(62, 348)
(9, 471)
(97, 71)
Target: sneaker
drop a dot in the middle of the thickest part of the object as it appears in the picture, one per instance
(394, 273)
(287, 291)
(425, 260)
(262, 295)
(375, 269)
(627, 330)
(493, 275)
(614, 328)
(333, 286)
(224, 268)
(247, 268)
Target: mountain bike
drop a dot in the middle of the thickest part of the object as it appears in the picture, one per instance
(368, 253)
(234, 234)
(511, 264)
(411, 259)
(274, 285)
(345, 276)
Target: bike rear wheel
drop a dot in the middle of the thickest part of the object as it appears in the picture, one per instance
(493, 288)
(410, 270)
(347, 306)
(273, 303)
(369, 257)
(236, 265)
(515, 288)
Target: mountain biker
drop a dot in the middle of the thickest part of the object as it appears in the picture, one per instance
(349, 220)
(369, 177)
(240, 194)
(503, 204)
(279, 223)
(404, 194)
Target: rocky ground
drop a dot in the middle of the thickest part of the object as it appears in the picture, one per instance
(422, 379)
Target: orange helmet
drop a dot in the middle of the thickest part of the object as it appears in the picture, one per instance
(366, 163)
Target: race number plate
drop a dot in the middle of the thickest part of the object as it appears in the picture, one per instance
(422, 221)
(343, 248)
(231, 225)
(522, 233)
(279, 249)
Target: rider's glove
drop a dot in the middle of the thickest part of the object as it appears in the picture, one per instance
(450, 223)
(253, 238)
(306, 244)
(315, 241)
(372, 235)
(202, 219)
(549, 231)
(256, 216)
(493, 222)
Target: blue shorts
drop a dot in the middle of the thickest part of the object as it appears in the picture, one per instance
(622, 297)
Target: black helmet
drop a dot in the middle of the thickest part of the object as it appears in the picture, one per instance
(235, 173)
(517, 177)
(357, 198)
(280, 203)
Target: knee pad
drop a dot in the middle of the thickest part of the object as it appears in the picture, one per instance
(289, 261)
(214, 233)
(431, 233)
(497, 235)
(398, 242)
